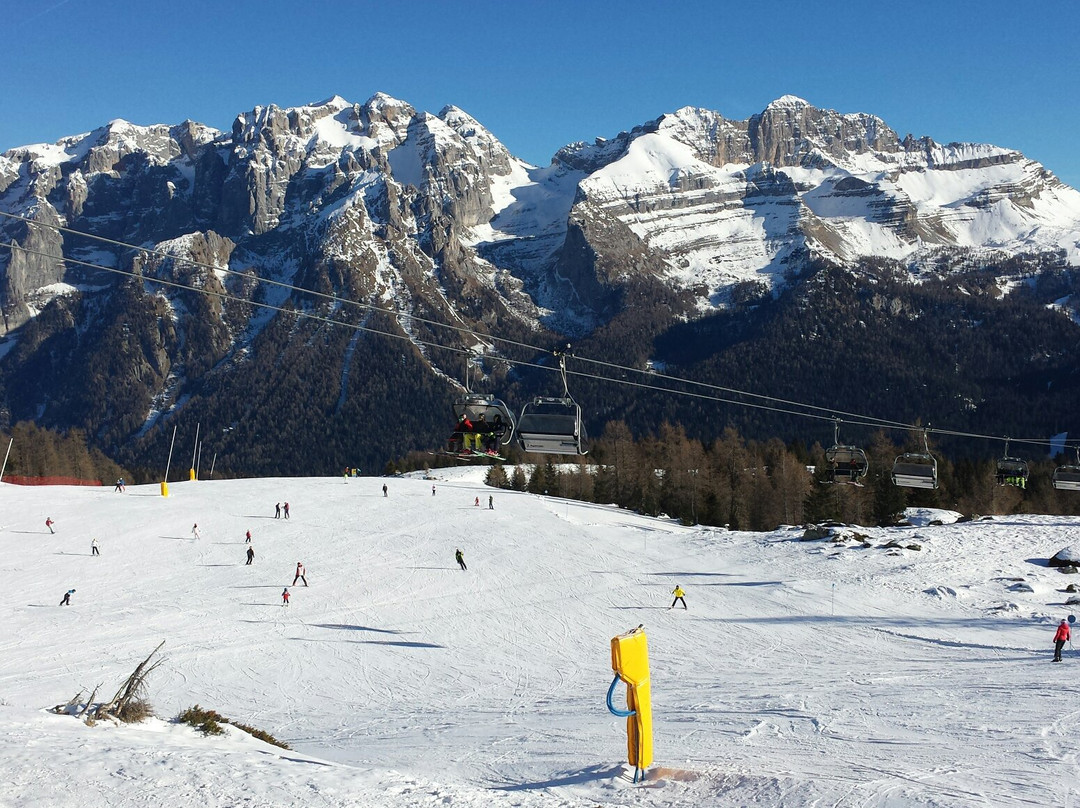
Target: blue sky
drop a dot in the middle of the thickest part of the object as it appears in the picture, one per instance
(543, 74)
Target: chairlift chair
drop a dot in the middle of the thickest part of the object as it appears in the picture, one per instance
(913, 470)
(492, 412)
(1011, 470)
(1067, 477)
(848, 464)
(553, 425)
(916, 469)
(491, 420)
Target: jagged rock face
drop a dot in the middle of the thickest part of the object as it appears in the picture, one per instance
(431, 215)
(724, 202)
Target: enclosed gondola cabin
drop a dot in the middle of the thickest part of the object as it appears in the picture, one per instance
(552, 426)
(847, 464)
(915, 471)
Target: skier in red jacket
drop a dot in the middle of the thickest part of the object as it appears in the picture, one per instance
(1062, 636)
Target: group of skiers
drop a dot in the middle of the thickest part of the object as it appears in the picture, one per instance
(1062, 634)
(476, 436)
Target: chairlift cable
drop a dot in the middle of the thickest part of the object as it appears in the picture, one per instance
(806, 410)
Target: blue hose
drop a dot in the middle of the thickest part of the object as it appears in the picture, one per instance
(611, 707)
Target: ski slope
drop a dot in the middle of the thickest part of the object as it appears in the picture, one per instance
(802, 674)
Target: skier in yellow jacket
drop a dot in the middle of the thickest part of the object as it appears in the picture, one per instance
(678, 593)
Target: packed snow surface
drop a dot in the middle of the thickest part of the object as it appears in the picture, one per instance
(839, 673)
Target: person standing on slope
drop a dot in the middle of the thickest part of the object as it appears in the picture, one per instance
(285, 597)
(1061, 636)
(94, 547)
(247, 537)
(299, 574)
(250, 555)
(286, 509)
(459, 557)
(384, 489)
(49, 523)
(678, 593)
(195, 530)
(491, 502)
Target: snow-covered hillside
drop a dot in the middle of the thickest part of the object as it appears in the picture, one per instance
(803, 673)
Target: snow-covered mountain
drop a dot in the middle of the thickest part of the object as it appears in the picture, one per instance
(431, 219)
(711, 201)
(882, 667)
(727, 201)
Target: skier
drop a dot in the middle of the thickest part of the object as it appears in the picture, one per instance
(678, 593)
(1062, 636)
(94, 547)
(286, 509)
(299, 574)
(67, 598)
(119, 485)
(247, 537)
(49, 523)
(432, 490)
(277, 511)
(195, 530)
(285, 597)
(491, 503)
(384, 489)
(459, 557)
(250, 555)
(476, 502)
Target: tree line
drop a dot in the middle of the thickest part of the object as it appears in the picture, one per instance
(746, 484)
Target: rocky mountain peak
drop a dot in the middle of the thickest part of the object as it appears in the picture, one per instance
(791, 102)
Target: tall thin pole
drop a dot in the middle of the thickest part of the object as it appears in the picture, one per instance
(168, 465)
(195, 452)
(4, 468)
(212, 462)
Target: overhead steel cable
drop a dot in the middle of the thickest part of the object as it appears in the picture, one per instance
(434, 323)
(806, 410)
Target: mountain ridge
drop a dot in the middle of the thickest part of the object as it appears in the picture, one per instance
(434, 222)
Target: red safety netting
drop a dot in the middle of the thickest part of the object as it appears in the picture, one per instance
(18, 479)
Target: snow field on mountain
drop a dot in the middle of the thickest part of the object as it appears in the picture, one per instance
(803, 673)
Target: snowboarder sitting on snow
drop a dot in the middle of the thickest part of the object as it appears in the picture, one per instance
(459, 557)
(678, 593)
(1062, 636)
